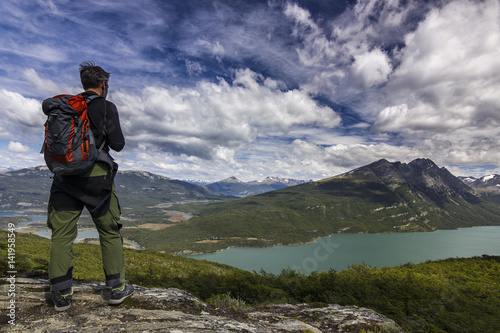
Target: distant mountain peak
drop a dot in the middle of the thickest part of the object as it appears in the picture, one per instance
(231, 179)
(423, 177)
(491, 178)
(145, 174)
(287, 181)
(487, 186)
(235, 187)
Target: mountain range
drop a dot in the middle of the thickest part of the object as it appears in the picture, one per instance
(29, 188)
(487, 186)
(235, 187)
(137, 190)
(380, 197)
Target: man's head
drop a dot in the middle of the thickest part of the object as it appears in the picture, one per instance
(94, 78)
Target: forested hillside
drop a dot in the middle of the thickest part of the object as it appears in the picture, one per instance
(453, 295)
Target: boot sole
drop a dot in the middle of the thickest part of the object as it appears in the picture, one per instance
(120, 300)
(62, 308)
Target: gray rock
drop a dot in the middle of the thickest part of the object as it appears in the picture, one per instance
(172, 310)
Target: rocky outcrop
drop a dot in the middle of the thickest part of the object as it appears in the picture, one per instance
(173, 310)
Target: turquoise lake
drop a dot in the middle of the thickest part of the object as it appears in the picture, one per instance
(341, 250)
(338, 251)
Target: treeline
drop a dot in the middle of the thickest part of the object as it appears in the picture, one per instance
(453, 295)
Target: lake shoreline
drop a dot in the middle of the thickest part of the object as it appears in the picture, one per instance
(338, 251)
(35, 227)
(193, 253)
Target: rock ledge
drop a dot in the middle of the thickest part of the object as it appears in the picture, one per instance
(173, 310)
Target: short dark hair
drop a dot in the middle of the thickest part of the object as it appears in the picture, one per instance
(91, 75)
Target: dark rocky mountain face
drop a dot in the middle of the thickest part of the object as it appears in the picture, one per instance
(425, 180)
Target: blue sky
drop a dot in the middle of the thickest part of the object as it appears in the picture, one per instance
(297, 89)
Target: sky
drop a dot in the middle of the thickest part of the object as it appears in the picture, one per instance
(304, 89)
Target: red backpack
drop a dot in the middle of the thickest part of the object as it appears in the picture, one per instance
(70, 146)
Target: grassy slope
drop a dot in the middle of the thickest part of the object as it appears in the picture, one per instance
(301, 213)
(142, 267)
(453, 295)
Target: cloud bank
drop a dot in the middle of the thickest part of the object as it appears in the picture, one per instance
(252, 89)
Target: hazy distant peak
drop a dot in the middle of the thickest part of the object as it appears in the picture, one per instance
(483, 182)
(231, 179)
(144, 174)
(488, 178)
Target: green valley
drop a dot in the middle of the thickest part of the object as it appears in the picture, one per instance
(380, 197)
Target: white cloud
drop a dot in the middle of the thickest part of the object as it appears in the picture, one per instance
(442, 99)
(350, 56)
(17, 147)
(421, 75)
(216, 49)
(320, 136)
(301, 15)
(316, 50)
(17, 155)
(217, 117)
(348, 156)
(194, 68)
(41, 85)
(19, 115)
(372, 68)
(422, 117)
(445, 76)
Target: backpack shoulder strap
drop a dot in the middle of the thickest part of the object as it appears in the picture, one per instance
(89, 100)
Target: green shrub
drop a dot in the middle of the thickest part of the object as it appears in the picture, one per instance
(227, 301)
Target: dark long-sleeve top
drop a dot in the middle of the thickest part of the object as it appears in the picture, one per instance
(113, 132)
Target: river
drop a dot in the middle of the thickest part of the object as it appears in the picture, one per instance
(46, 233)
(339, 251)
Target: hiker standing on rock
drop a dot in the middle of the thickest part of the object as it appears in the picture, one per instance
(94, 189)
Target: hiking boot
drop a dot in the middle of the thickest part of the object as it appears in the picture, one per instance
(62, 299)
(120, 293)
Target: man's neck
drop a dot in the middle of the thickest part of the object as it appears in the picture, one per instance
(98, 91)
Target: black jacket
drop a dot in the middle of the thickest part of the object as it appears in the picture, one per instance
(113, 132)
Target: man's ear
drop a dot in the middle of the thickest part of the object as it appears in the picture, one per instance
(104, 89)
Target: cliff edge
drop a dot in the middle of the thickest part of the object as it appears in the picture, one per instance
(171, 310)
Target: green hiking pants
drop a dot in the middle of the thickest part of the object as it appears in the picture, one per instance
(69, 195)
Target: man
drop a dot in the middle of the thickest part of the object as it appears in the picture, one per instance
(94, 190)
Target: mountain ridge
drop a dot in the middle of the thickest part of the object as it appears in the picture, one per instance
(379, 197)
(29, 189)
(424, 178)
(486, 186)
(235, 187)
